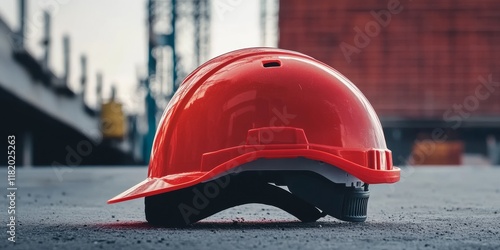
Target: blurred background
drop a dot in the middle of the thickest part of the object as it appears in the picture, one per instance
(85, 82)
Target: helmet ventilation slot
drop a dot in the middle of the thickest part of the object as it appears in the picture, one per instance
(270, 64)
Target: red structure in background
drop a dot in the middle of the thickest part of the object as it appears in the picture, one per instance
(422, 64)
(424, 57)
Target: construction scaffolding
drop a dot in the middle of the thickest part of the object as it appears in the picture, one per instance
(178, 41)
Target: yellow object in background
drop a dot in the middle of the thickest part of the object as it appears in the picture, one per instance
(112, 120)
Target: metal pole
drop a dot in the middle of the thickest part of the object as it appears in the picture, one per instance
(150, 101)
(66, 45)
(83, 78)
(206, 29)
(22, 23)
(263, 22)
(197, 30)
(46, 39)
(99, 90)
(174, 54)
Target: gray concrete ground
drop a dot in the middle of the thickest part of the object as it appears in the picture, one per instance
(431, 208)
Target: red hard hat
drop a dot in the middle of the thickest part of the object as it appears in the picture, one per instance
(258, 116)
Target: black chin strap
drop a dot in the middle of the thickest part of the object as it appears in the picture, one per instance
(186, 206)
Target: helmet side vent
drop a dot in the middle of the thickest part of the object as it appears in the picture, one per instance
(270, 64)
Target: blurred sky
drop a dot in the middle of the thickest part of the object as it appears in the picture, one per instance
(112, 33)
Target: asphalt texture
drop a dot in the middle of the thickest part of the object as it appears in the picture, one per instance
(430, 208)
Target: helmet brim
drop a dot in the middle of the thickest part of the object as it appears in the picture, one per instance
(154, 186)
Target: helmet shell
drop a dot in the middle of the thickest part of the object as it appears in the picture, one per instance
(264, 103)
